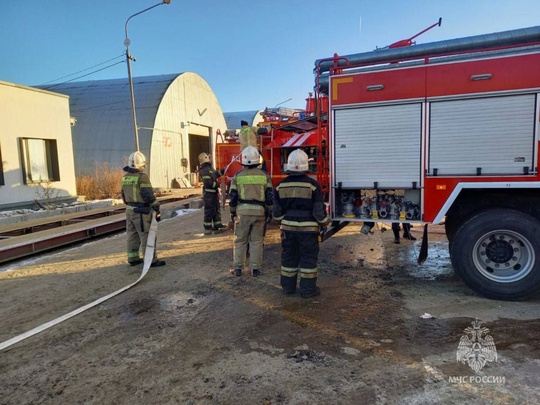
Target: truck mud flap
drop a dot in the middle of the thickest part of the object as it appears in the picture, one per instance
(334, 228)
(424, 247)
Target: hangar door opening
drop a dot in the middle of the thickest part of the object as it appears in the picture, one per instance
(197, 145)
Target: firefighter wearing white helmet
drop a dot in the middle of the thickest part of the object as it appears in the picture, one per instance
(251, 206)
(299, 206)
(209, 177)
(298, 162)
(138, 195)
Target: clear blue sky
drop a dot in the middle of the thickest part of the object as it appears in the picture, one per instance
(254, 54)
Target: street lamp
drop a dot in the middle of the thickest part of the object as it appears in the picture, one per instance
(129, 58)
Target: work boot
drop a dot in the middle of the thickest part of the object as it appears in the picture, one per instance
(288, 284)
(236, 272)
(289, 292)
(136, 262)
(407, 232)
(255, 272)
(158, 263)
(395, 230)
(311, 293)
(219, 227)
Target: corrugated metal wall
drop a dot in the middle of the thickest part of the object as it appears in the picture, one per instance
(168, 108)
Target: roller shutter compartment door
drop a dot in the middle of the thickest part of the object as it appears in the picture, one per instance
(494, 134)
(378, 144)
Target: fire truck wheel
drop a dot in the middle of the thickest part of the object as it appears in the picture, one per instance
(497, 254)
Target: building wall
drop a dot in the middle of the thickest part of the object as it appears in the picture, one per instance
(188, 107)
(169, 108)
(33, 122)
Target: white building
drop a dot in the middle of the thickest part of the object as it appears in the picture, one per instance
(178, 117)
(36, 152)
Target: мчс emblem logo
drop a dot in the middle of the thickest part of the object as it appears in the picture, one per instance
(476, 347)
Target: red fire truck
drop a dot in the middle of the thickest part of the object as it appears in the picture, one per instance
(282, 131)
(425, 134)
(443, 131)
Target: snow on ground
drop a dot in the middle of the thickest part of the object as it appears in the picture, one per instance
(14, 265)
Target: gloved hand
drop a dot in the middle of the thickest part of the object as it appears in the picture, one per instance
(268, 215)
(233, 217)
(158, 216)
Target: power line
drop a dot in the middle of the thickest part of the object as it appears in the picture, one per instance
(84, 70)
(78, 77)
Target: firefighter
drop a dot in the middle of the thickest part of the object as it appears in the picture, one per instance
(251, 209)
(406, 232)
(298, 204)
(138, 195)
(209, 176)
(248, 137)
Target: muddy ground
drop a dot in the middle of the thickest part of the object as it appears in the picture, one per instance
(190, 333)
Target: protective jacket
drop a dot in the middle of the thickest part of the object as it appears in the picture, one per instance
(248, 137)
(137, 191)
(298, 204)
(251, 192)
(210, 177)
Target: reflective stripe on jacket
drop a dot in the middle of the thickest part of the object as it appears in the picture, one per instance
(137, 189)
(251, 192)
(209, 177)
(298, 204)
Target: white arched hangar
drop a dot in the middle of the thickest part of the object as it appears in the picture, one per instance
(178, 116)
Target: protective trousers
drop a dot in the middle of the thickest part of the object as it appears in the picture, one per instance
(248, 230)
(300, 252)
(137, 228)
(212, 214)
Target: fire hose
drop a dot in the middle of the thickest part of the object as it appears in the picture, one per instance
(148, 256)
(222, 185)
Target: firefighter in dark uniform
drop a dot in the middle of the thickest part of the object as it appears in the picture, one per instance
(298, 204)
(209, 176)
(251, 208)
(140, 200)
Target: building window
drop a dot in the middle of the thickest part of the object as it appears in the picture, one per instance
(40, 160)
(2, 182)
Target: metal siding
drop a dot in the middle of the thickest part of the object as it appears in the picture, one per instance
(188, 100)
(104, 128)
(233, 119)
(378, 144)
(493, 134)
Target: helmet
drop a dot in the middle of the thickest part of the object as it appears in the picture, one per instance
(250, 156)
(137, 161)
(298, 161)
(204, 158)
